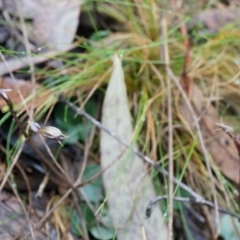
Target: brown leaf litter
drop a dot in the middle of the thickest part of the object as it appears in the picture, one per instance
(218, 144)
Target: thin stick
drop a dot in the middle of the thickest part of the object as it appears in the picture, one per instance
(25, 212)
(86, 153)
(187, 200)
(11, 167)
(28, 49)
(164, 50)
(54, 159)
(25, 178)
(43, 185)
(201, 140)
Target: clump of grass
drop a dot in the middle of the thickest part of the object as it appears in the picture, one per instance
(214, 68)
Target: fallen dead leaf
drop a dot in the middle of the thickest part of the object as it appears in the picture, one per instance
(28, 8)
(54, 21)
(127, 184)
(25, 87)
(219, 145)
(14, 223)
(214, 19)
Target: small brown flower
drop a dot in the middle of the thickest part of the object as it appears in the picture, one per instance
(51, 132)
(47, 131)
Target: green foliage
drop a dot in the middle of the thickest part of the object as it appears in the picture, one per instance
(75, 224)
(72, 125)
(94, 193)
(99, 35)
(5, 109)
(88, 217)
(102, 232)
(230, 228)
(98, 230)
(93, 190)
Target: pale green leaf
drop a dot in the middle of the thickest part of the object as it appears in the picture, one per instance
(127, 184)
